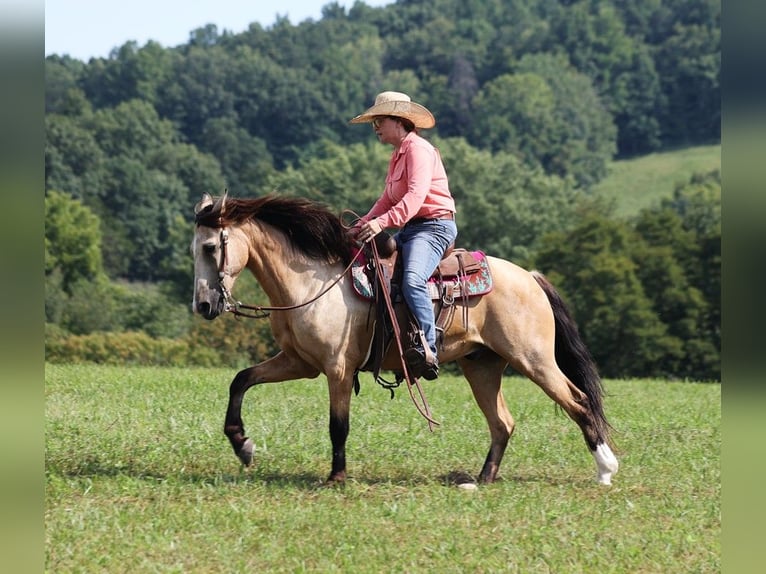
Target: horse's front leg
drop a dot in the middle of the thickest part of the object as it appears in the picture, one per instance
(279, 368)
(340, 403)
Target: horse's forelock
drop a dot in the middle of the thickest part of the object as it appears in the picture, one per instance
(207, 217)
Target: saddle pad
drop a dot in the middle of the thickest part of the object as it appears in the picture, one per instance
(473, 285)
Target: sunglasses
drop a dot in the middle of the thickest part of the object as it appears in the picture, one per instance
(377, 121)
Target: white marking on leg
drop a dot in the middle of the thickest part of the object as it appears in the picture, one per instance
(606, 463)
(245, 454)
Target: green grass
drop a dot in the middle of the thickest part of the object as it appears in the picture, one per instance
(139, 478)
(639, 183)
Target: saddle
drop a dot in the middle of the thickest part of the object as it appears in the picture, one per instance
(460, 276)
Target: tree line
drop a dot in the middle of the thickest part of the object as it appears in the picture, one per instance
(533, 99)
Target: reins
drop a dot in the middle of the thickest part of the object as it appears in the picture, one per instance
(233, 306)
(424, 410)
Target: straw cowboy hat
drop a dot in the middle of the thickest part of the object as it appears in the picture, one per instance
(399, 105)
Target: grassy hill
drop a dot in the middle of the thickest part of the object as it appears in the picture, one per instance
(641, 182)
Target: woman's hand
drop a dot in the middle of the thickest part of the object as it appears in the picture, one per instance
(369, 230)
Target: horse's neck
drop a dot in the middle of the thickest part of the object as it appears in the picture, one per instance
(286, 277)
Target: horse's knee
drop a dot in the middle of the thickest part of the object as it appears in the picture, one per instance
(242, 381)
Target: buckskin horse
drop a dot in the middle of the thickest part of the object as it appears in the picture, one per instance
(299, 252)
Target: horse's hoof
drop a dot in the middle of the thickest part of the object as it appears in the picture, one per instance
(605, 479)
(606, 464)
(245, 453)
(337, 479)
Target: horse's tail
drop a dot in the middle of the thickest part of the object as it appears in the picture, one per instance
(573, 357)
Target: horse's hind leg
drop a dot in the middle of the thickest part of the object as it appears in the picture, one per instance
(578, 406)
(485, 375)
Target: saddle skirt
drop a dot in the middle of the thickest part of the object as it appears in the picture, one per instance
(462, 274)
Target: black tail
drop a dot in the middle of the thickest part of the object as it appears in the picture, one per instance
(573, 357)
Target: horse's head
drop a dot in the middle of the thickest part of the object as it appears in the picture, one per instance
(217, 261)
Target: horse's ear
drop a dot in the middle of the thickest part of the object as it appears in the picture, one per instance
(220, 203)
(203, 203)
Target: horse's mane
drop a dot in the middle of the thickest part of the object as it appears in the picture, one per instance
(310, 227)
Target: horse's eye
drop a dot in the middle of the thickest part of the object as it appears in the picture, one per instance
(209, 248)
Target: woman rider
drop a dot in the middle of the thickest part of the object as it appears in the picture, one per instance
(417, 202)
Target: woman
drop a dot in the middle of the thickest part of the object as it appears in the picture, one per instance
(416, 201)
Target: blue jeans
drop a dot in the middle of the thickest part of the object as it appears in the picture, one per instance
(422, 246)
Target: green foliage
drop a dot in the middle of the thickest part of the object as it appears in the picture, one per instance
(72, 240)
(620, 67)
(689, 64)
(652, 302)
(245, 160)
(579, 139)
(614, 312)
(346, 177)
(503, 206)
(533, 99)
(501, 122)
(100, 306)
(128, 166)
(127, 348)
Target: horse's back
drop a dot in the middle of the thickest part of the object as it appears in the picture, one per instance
(515, 286)
(513, 318)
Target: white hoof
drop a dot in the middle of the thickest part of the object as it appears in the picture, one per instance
(606, 464)
(245, 454)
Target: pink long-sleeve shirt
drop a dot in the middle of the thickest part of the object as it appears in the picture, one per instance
(416, 185)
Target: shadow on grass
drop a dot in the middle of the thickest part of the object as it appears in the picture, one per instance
(297, 480)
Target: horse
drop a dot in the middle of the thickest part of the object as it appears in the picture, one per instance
(299, 252)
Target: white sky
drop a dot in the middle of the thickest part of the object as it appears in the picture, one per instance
(86, 29)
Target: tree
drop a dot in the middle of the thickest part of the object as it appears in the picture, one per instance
(515, 113)
(582, 133)
(61, 83)
(661, 257)
(689, 64)
(549, 115)
(131, 72)
(345, 177)
(132, 129)
(141, 207)
(72, 240)
(74, 161)
(245, 160)
(592, 267)
(698, 205)
(593, 36)
(503, 206)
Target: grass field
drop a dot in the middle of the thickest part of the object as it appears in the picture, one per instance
(139, 478)
(636, 184)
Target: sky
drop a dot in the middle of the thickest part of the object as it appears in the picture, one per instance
(86, 29)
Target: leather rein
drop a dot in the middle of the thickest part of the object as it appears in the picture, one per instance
(231, 305)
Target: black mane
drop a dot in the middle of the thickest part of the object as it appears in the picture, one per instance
(310, 227)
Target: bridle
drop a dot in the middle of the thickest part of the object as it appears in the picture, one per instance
(231, 305)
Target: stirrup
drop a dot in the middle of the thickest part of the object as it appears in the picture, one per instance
(421, 362)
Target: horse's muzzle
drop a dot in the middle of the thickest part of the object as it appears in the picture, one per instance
(207, 302)
(209, 311)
